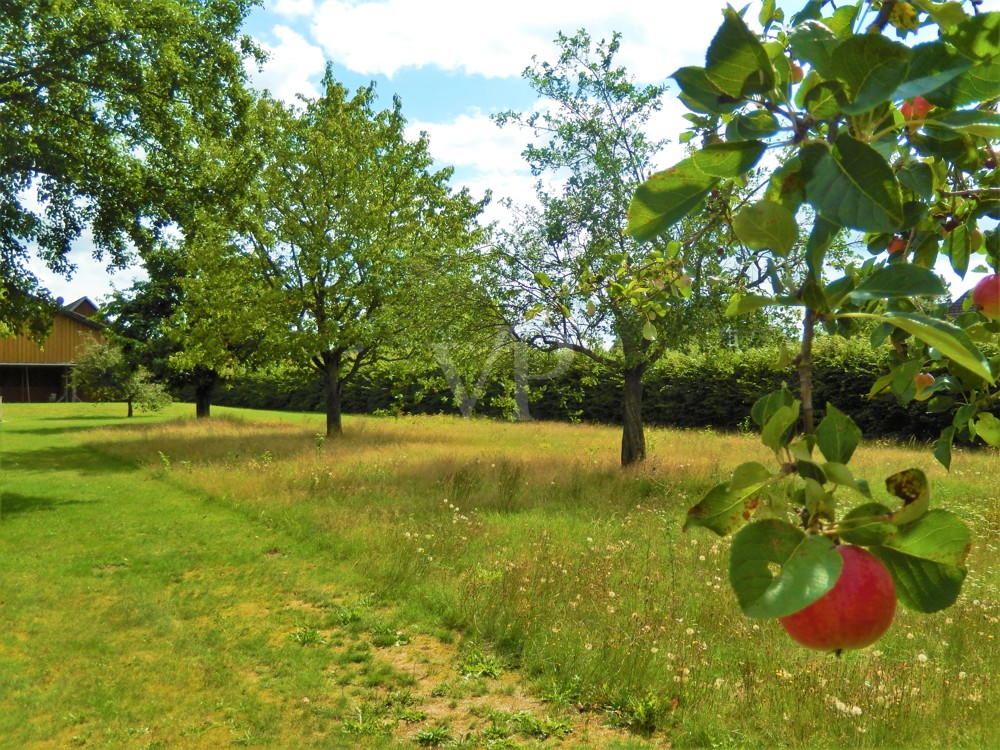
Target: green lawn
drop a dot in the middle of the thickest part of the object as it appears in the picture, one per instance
(169, 582)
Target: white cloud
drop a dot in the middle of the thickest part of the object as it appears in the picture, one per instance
(499, 39)
(291, 63)
(473, 141)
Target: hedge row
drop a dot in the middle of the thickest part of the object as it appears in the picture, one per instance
(696, 389)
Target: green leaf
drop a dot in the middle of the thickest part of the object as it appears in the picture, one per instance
(927, 560)
(542, 279)
(867, 525)
(918, 177)
(967, 121)
(947, 15)
(649, 331)
(740, 304)
(900, 280)
(872, 66)
(757, 125)
(932, 65)
(666, 198)
(777, 432)
(988, 428)
(729, 159)
(946, 337)
(700, 94)
(809, 567)
(853, 186)
(727, 507)
(837, 436)
(749, 474)
(958, 248)
(981, 82)
(978, 36)
(737, 62)
(912, 488)
(822, 236)
(766, 225)
(838, 473)
(767, 406)
(942, 446)
(814, 43)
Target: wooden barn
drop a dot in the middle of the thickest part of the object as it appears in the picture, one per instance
(29, 372)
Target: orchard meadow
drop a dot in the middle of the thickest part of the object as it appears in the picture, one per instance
(241, 581)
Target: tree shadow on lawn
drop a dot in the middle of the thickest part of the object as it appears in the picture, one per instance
(14, 428)
(59, 458)
(283, 441)
(12, 502)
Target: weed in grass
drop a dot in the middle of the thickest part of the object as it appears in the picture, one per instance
(433, 737)
(529, 725)
(345, 615)
(476, 663)
(305, 635)
(411, 715)
(368, 720)
(641, 715)
(384, 636)
(358, 652)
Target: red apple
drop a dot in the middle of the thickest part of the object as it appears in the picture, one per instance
(922, 380)
(854, 613)
(796, 73)
(986, 296)
(916, 109)
(897, 245)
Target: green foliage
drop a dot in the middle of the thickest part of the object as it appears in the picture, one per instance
(568, 277)
(917, 177)
(357, 241)
(107, 106)
(104, 373)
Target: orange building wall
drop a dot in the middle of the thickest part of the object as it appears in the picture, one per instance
(67, 336)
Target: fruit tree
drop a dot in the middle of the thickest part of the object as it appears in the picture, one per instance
(890, 135)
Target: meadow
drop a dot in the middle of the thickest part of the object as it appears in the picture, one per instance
(433, 581)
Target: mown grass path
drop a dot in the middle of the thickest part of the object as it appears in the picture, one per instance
(135, 612)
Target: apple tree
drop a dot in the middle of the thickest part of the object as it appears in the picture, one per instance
(872, 118)
(569, 280)
(364, 244)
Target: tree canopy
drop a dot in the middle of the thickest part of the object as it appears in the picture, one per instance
(367, 245)
(106, 109)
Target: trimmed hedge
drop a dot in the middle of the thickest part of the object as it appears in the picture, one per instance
(684, 389)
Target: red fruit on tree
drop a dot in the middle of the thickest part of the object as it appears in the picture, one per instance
(897, 245)
(854, 613)
(986, 296)
(916, 109)
(796, 73)
(923, 380)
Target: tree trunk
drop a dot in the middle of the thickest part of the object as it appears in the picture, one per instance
(332, 393)
(130, 407)
(203, 396)
(633, 438)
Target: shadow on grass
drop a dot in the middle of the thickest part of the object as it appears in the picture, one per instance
(282, 441)
(11, 503)
(61, 458)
